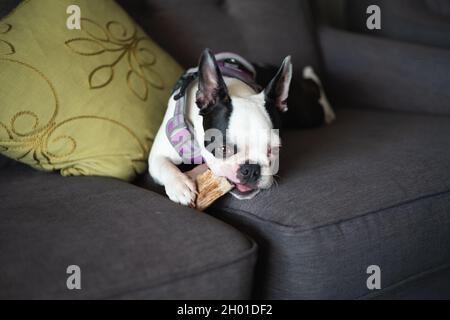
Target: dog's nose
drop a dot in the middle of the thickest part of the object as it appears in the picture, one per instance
(249, 173)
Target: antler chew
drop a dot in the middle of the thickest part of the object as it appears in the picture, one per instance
(210, 188)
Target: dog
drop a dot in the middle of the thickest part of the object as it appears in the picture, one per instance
(219, 114)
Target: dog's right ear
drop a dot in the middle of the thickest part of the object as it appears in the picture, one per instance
(211, 86)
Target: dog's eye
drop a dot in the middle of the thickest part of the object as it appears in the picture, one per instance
(228, 150)
(273, 151)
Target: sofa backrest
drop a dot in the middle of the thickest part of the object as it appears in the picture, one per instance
(264, 31)
(6, 6)
(418, 21)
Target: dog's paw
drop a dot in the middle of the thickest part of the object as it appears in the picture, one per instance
(182, 190)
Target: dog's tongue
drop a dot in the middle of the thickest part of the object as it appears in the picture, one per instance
(243, 188)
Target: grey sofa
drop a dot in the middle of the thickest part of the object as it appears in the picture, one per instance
(420, 21)
(371, 189)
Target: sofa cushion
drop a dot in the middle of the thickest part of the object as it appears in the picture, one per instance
(82, 102)
(128, 242)
(419, 21)
(373, 188)
(363, 71)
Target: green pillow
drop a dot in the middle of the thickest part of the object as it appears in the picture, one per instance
(84, 102)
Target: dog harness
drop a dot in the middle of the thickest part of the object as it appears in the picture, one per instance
(179, 130)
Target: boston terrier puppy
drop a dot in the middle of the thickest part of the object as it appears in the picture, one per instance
(218, 114)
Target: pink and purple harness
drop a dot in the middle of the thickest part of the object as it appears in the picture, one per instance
(179, 130)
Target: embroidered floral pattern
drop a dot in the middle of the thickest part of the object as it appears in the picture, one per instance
(6, 48)
(36, 141)
(122, 45)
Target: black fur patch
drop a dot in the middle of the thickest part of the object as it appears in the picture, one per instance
(217, 117)
(304, 109)
(274, 114)
(264, 75)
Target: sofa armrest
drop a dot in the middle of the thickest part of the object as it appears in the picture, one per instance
(129, 242)
(375, 72)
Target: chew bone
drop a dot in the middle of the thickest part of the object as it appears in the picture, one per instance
(209, 187)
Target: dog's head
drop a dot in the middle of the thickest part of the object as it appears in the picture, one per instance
(240, 129)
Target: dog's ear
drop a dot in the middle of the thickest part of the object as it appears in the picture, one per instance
(277, 90)
(211, 86)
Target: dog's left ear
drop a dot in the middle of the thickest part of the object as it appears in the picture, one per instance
(277, 90)
(211, 86)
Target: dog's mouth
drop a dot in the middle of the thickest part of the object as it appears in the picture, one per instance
(243, 191)
(243, 188)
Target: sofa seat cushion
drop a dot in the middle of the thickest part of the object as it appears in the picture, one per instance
(373, 188)
(128, 242)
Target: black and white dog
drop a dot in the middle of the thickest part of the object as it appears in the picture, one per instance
(219, 115)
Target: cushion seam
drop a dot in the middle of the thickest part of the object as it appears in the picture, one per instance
(299, 229)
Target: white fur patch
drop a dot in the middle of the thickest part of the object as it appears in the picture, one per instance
(330, 116)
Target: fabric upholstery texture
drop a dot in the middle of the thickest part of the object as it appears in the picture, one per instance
(373, 188)
(260, 31)
(432, 286)
(83, 102)
(4, 161)
(418, 21)
(128, 242)
(379, 73)
(378, 159)
(6, 6)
